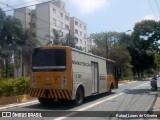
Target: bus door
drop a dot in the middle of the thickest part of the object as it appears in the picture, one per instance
(95, 77)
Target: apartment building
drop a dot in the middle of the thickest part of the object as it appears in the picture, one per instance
(45, 17)
(53, 15)
(79, 30)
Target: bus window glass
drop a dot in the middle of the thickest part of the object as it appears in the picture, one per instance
(109, 67)
(48, 59)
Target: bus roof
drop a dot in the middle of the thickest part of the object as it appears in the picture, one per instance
(60, 46)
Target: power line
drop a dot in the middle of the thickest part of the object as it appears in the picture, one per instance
(42, 29)
(151, 8)
(157, 6)
(22, 3)
(28, 14)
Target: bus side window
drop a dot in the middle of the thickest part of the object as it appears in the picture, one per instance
(109, 68)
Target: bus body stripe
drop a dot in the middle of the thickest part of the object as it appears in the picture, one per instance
(50, 93)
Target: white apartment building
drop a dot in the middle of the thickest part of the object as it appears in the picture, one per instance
(47, 16)
(79, 30)
(52, 15)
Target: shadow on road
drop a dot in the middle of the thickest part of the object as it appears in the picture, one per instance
(65, 105)
(141, 91)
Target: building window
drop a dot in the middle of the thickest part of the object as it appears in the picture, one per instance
(80, 25)
(76, 23)
(81, 41)
(85, 36)
(76, 31)
(61, 14)
(76, 40)
(62, 34)
(33, 34)
(85, 42)
(54, 10)
(67, 27)
(66, 17)
(80, 33)
(33, 25)
(61, 24)
(54, 21)
(84, 27)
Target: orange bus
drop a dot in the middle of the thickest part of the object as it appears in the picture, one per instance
(62, 72)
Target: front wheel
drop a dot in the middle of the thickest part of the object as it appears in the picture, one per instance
(79, 96)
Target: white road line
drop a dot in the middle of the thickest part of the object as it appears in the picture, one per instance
(97, 103)
(82, 109)
(16, 105)
(140, 85)
(102, 101)
(127, 83)
(90, 106)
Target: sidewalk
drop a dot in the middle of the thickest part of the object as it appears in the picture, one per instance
(156, 106)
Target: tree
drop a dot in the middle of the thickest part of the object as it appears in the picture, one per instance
(13, 39)
(10, 35)
(70, 40)
(24, 50)
(56, 38)
(111, 45)
(144, 41)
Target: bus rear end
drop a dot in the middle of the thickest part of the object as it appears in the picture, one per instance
(51, 76)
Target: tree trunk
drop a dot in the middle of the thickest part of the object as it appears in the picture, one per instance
(6, 71)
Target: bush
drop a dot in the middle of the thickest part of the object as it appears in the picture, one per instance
(9, 87)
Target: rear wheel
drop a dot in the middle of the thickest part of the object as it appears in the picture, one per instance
(79, 96)
(110, 89)
(46, 101)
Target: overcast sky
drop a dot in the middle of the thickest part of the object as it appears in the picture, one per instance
(104, 15)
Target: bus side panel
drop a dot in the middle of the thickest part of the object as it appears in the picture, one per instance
(81, 67)
(83, 73)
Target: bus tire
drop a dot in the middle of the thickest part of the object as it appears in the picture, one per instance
(79, 96)
(110, 89)
(46, 101)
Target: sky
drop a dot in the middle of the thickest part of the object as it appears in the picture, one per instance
(102, 15)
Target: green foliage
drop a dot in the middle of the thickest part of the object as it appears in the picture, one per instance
(13, 38)
(113, 45)
(9, 87)
(10, 72)
(150, 72)
(144, 46)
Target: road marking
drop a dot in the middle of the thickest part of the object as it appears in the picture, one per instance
(127, 83)
(90, 106)
(97, 103)
(16, 105)
(140, 85)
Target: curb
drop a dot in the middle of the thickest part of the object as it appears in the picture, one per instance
(15, 99)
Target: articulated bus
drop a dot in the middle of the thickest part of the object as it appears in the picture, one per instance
(62, 72)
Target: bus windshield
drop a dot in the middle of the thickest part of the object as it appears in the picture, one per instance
(48, 59)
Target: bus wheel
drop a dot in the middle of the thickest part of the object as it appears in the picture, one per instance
(79, 96)
(46, 101)
(110, 89)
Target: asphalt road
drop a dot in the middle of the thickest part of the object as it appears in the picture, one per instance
(127, 102)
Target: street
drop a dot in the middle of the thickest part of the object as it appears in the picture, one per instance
(136, 97)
